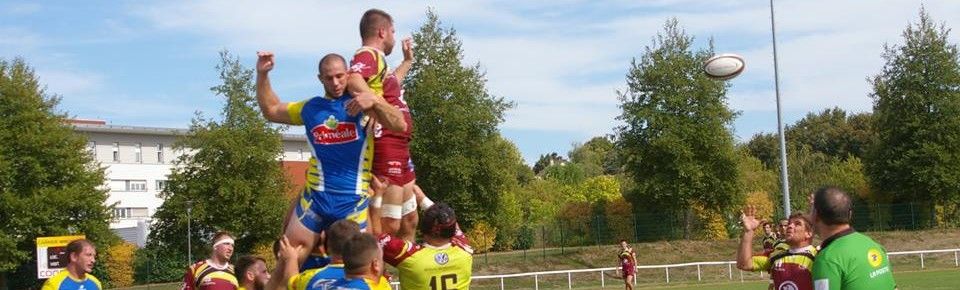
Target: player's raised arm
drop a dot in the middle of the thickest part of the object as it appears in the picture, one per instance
(270, 104)
(745, 250)
(404, 67)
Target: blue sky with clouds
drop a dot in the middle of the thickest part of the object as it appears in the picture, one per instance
(562, 62)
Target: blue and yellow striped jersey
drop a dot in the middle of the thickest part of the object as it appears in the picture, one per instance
(63, 281)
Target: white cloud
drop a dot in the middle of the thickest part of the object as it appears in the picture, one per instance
(563, 61)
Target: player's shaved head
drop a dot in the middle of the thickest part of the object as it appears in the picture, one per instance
(372, 21)
(338, 235)
(359, 252)
(832, 206)
(439, 221)
(331, 59)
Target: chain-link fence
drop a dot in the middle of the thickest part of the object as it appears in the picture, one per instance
(642, 227)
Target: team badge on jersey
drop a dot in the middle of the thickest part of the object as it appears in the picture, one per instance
(333, 131)
(788, 285)
(875, 258)
(441, 258)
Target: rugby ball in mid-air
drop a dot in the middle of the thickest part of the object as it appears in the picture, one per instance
(724, 66)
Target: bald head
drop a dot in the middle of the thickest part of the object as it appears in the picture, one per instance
(832, 206)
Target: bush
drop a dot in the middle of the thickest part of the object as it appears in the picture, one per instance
(118, 263)
(265, 251)
(482, 236)
(159, 265)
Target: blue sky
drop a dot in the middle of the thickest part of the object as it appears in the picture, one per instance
(562, 62)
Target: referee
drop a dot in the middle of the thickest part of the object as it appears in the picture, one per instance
(848, 260)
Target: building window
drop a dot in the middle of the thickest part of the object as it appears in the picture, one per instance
(136, 185)
(129, 212)
(137, 153)
(159, 152)
(121, 212)
(92, 146)
(116, 151)
(161, 185)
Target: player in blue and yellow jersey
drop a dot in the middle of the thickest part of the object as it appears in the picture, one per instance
(789, 268)
(339, 174)
(76, 276)
(335, 239)
(363, 265)
(443, 261)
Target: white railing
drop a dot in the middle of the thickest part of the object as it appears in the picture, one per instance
(666, 268)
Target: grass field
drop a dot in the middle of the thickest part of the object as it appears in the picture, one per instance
(927, 280)
(940, 269)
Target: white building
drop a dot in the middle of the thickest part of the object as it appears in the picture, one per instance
(137, 162)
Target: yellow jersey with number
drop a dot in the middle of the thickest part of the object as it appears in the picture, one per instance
(422, 266)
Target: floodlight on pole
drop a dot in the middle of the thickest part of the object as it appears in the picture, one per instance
(784, 179)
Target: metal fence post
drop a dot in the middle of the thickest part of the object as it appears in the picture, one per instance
(603, 282)
(501, 283)
(569, 281)
(741, 276)
(956, 261)
(730, 271)
(921, 261)
(536, 282)
(698, 273)
(668, 273)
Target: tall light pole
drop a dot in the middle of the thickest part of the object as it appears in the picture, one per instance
(783, 142)
(189, 234)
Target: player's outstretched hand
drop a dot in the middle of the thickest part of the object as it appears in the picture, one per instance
(407, 49)
(264, 61)
(361, 102)
(748, 217)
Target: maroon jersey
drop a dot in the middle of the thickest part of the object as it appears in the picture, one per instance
(203, 275)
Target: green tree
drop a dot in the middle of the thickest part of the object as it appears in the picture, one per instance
(50, 184)
(833, 132)
(916, 103)
(547, 160)
(456, 145)
(231, 173)
(676, 142)
(597, 156)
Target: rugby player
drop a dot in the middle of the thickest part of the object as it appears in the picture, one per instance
(394, 178)
(790, 268)
(335, 240)
(443, 261)
(216, 272)
(339, 173)
(363, 266)
(252, 273)
(81, 255)
(628, 264)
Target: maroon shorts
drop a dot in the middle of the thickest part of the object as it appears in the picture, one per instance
(391, 162)
(628, 270)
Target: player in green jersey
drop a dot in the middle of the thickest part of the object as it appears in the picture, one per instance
(848, 260)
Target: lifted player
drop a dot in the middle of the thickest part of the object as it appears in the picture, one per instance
(394, 184)
(339, 173)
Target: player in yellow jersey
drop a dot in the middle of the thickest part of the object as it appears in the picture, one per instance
(443, 261)
(82, 255)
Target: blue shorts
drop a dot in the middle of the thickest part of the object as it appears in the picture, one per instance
(317, 210)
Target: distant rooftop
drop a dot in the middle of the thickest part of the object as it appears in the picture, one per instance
(91, 125)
